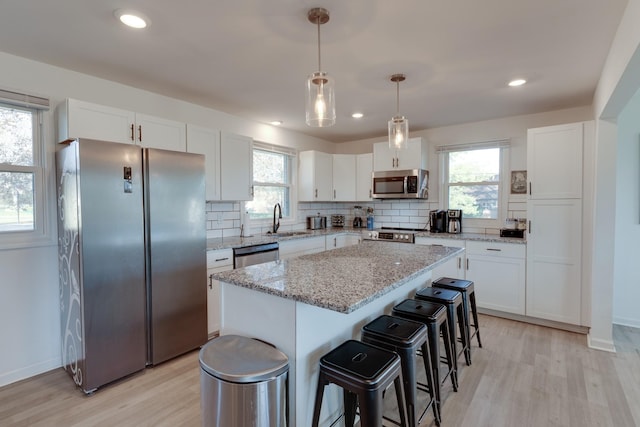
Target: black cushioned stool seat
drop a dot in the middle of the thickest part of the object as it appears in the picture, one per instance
(434, 316)
(468, 300)
(405, 337)
(364, 372)
(455, 314)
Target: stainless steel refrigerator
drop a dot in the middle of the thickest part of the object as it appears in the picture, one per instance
(132, 260)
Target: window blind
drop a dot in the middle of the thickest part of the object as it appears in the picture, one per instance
(481, 145)
(275, 148)
(23, 99)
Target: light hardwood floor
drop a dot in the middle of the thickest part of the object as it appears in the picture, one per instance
(525, 375)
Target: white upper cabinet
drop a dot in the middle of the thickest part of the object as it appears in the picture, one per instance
(415, 156)
(236, 167)
(79, 119)
(206, 141)
(155, 132)
(554, 161)
(344, 177)
(364, 168)
(315, 176)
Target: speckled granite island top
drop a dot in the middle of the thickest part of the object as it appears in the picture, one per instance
(342, 279)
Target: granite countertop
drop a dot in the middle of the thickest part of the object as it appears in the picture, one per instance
(343, 279)
(495, 238)
(238, 242)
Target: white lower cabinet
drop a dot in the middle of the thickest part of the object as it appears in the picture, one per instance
(498, 271)
(453, 268)
(217, 261)
(297, 247)
(554, 287)
(335, 241)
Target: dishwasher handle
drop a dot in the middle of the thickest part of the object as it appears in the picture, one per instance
(250, 250)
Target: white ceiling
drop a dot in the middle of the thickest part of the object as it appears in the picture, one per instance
(250, 58)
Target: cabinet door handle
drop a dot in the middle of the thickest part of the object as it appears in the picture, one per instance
(334, 194)
(335, 242)
(467, 264)
(459, 263)
(495, 250)
(251, 190)
(369, 193)
(529, 188)
(529, 226)
(316, 193)
(133, 138)
(140, 133)
(222, 259)
(211, 281)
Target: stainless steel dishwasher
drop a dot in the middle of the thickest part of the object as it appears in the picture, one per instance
(255, 254)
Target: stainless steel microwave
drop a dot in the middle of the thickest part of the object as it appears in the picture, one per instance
(401, 184)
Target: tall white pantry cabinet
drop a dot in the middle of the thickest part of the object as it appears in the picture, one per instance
(554, 210)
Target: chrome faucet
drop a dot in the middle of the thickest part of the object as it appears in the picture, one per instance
(277, 225)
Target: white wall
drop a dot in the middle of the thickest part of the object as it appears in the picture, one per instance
(619, 80)
(626, 289)
(29, 306)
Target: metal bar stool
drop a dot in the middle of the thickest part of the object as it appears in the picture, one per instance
(364, 372)
(405, 337)
(455, 311)
(468, 300)
(434, 316)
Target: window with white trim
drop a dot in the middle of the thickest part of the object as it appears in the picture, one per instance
(22, 190)
(272, 181)
(472, 179)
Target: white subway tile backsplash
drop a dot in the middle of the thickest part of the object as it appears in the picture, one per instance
(224, 218)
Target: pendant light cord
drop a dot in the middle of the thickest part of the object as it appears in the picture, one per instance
(319, 59)
(397, 97)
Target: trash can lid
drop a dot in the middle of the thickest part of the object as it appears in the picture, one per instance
(239, 359)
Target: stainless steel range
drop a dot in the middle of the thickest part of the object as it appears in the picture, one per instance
(390, 235)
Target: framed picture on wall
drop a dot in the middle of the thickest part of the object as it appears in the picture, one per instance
(518, 182)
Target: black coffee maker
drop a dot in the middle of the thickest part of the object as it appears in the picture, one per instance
(439, 221)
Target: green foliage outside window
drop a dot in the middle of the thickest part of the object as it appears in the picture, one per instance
(16, 175)
(271, 183)
(473, 182)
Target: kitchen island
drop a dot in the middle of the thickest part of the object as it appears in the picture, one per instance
(308, 305)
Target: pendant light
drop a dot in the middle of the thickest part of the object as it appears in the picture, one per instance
(320, 97)
(398, 125)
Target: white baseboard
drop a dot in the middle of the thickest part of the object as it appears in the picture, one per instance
(29, 371)
(626, 321)
(603, 345)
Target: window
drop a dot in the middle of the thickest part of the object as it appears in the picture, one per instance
(272, 178)
(472, 179)
(21, 170)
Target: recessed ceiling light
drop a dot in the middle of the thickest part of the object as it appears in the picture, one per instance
(517, 82)
(276, 122)
(132, 19)
(357, 115)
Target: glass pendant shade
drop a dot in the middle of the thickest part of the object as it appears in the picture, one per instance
(320, 100)
(398, 133)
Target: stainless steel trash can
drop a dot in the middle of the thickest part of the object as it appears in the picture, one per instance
(243, 383)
